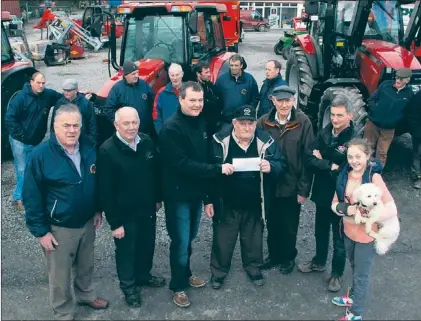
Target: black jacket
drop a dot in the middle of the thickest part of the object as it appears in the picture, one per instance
(27, 115)
(267, 149)
(324, 178)
(86, 109)
(212, 106)
(139, 96)
(265, 104)
(386, 105)
(128, 180)
(413, 116)
(236, 93)
(53, 191)
(183, 145)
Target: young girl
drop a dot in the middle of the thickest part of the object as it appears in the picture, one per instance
(359, 246)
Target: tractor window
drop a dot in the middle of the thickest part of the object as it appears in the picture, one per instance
(217, 32)
(159, 37)
(344, 16)
(384, 22)
(6, 50)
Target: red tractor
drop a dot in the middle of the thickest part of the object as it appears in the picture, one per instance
(14, 74)
(352, 46)
(158, 34)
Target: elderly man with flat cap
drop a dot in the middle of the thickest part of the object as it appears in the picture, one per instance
(71, 95)
(133, 92)
(293, 131)
(386, 110)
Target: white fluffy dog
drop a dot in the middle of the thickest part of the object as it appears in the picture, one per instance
(368, 198)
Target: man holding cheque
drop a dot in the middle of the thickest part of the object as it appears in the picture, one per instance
(238, 205)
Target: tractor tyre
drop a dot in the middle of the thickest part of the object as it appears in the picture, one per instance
(285, 52)
(356, 100)
(299, 76)
(278, 48)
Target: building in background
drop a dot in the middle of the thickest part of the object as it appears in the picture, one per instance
(13, 6)
(278, 12)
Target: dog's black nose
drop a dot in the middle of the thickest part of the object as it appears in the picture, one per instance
(375, 203)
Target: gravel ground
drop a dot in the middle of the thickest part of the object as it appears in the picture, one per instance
(396, 277)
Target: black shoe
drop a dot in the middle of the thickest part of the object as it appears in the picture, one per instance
(287, 267)
(257, 280)
(216, 283)
(268, 264)
(153, 282)
(133, 300)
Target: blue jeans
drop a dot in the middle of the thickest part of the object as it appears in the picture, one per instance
(21, 154)
(182, 219)
(361, 256)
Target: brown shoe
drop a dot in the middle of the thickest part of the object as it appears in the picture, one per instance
(196, 282)
(310, 267)
(97, 304)
(181, 299)
(19, 205)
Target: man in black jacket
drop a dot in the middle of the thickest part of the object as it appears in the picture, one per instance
(62, 211)
(186, 177)
(413, 118)
(212, 102)
(129, 184)
(386, 108)
(325, 158)
(242, 198)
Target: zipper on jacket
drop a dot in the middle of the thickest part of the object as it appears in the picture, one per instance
(53, 210)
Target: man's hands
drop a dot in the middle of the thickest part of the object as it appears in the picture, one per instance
(209, 211)
(334, 167)
(97, 220)
(264, 166)
(227, 169)
(48, 242)
(317, 154)
(301, 199)
(352, 210)
(118, 233)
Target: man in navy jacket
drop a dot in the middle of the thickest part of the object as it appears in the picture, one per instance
(62, 211)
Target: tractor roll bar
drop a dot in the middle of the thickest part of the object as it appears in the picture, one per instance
(112, 53)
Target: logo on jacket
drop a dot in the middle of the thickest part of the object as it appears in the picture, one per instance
(341, 149)
(92, 169)
(144, 96)
(244, 91)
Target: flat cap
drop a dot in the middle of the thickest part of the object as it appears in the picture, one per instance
(70, 84)
(404, 73)
(283, 92)
(245, 112)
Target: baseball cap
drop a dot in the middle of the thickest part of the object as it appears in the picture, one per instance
(245, 112)
(283, 92)
(70, 84)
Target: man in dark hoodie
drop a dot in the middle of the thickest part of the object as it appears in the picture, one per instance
(133, 92)
(71, 95)
(326, 156)
(293, 131)
(27, 120)
(413, 118)
(386, 110)
(273, 79)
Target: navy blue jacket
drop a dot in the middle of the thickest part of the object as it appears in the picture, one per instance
(27, 114)
(139, 96)
(53, 191)
(386, 105)
(236, 92)
(373, 167)
(86, 109)
(165, 105)
(265, 104)
(413, 116)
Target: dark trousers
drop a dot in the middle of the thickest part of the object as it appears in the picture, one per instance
(246, 222)
(416, 158)
(134, 252)
(182, 219)
(282, 224)
(325, 218)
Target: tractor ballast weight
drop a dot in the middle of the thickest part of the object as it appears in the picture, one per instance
(350, 48)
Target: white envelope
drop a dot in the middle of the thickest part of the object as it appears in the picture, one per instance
(246, 164)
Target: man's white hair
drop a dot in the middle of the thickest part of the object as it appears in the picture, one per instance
(174, 68)
(121, 110)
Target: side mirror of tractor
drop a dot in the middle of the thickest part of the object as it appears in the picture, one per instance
(311, 7)
(193, 23)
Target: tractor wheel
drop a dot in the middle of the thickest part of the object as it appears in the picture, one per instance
(278, 48)
(7, 95)
(285, 52)
(299, 77)
(358, 107)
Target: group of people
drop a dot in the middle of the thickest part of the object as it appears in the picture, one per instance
(249, 158)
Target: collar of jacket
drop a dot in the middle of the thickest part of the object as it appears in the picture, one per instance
(135, 84)
(264, 140)
(123, 146)
(345, 135)
(28, 90)
(293, 122)
(75, 101)
(273, 81)
(85, 145)
(241, 78)
(169, 88)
